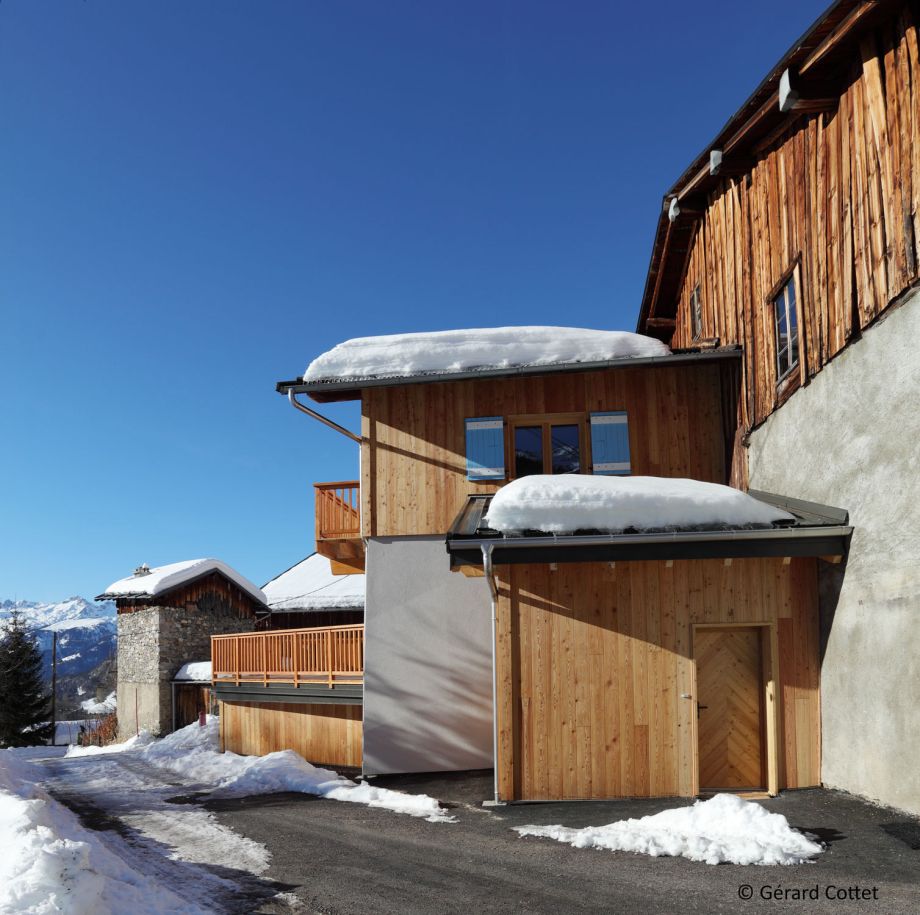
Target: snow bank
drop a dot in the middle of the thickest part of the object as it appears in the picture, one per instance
(195, 671)
(132, 743)
(164, 578)
(579, 502)
(51, 863)
(310, 585)
(722, 829)
(446, 351)
(99, 708)
(193, 752)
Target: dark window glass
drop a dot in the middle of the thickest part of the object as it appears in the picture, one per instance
(566, 449)
(528, 450)
(787, 331)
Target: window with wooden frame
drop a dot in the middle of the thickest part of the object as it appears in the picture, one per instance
(553, 443)
(696, 312)
(784, 302)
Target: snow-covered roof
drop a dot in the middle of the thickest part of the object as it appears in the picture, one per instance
(194, 672)
(448, 352)
(310, 585)
(578, 502)
(165, 578)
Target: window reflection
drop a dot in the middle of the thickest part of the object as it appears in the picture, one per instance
(528, 450)
(566, 450)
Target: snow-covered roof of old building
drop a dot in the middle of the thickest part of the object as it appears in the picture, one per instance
(579, 502)
(311, 585)
(194, 672)
(448, 352)
(151, 582)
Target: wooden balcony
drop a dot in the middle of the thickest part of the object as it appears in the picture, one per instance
(338, 525)
(330, 656)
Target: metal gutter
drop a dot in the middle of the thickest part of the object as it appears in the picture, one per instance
(292, 399)
(819, 540)
(298, 386)
(493, 597)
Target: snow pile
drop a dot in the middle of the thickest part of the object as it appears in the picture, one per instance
(579, 502)
(310, 585)
(722, 829)
(99, 708)
(195, 672)
(446, 351)
(143, 739)
(51, 863)
(165, 578)
(193, 753)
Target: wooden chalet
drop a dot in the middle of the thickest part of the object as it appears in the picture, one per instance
(595, 664)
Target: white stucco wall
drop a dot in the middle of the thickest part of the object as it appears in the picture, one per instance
(427, 661)
(851, 438)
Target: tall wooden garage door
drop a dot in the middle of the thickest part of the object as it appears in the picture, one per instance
(731, 724)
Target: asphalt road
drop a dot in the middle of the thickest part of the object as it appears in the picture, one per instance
(346, 858)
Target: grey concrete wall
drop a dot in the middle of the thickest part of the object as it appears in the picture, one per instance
(851, 438)
(428, 661)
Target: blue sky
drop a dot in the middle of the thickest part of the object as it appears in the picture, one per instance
(199, 197)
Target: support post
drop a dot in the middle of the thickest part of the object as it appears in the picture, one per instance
(53, 688)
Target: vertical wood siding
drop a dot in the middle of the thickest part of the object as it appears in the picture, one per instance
(413, 461)
(593, 661)
(322, 734)
(837, 195)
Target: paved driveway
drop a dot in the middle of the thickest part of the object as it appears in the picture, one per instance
(347, 858)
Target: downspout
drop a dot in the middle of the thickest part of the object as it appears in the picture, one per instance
(292, 398)
(493, 594)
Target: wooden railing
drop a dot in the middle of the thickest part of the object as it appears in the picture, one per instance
(331, 655)
(338, 515)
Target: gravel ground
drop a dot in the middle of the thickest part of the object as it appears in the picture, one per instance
(347, 858)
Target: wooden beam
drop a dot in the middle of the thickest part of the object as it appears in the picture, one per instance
(832, 559)
(471, 571)
(665, 324)
(856, 17)
(790, 97)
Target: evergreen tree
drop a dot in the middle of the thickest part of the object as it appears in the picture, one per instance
(25, 708)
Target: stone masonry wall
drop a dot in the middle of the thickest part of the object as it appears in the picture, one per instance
(153, 643)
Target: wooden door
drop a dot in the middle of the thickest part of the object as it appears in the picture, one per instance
(731, 720)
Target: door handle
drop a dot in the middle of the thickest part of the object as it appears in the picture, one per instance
(699, 708)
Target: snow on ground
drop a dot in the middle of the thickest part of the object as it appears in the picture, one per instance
(195, 672)
(722, 829)
(193, 753)
(105, 707)
(311, 585)
(51, 863)
(579, 502)
(445, 351)
(163, 578)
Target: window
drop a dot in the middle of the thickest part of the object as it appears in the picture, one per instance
(696, 312)
(550, 445)
(786, 324)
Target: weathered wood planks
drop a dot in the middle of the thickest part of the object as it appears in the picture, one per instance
(838, 193)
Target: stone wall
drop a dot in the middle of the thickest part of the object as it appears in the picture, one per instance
(850, 439)
(153, 643)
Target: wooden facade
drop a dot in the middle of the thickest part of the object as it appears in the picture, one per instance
(830, 198)
(323, 734)
(213, 592)
(413, 458)
(191, 699)
(597, 672)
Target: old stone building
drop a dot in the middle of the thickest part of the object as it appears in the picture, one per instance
(166, 617)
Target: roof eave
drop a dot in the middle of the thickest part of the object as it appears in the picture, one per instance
(344, 389)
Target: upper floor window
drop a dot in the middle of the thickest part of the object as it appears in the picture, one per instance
(786, 324)
(696, 312)
(548, 446)
(547, 443)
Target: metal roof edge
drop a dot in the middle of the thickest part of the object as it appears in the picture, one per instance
(299, 386)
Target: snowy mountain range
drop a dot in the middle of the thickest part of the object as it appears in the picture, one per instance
(85, 631)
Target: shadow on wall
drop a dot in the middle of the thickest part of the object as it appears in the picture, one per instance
(405, 731)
